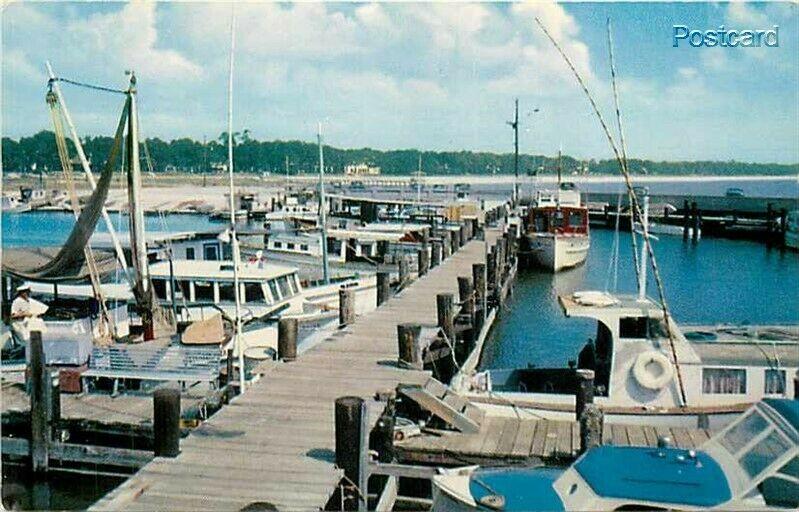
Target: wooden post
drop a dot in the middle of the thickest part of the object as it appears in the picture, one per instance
(55, 409)
(479, 280)
(444, 302)
(435, 253)
(383, 436)
(499, 265)
(352, 448)
(446, 245)
(585, 391)
(403, 271)
(40, 408)
(409, 345)
(346, 306)
(455, 243)
(230, 391)
(382, 250)
(462, 235)
(287, 329)
(491, 270)
(424, 262)
(166, 422)
(685, 219)
(466, 295)
(383, 287)
(591, 425)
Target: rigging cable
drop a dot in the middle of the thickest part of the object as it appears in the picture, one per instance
(87, 86)
(634, 203)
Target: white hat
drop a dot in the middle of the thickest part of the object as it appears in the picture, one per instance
(24, 287)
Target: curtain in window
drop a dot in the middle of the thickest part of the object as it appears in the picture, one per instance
(775, 382)
(723, 381)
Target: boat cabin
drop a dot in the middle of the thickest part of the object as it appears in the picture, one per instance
(558, 212)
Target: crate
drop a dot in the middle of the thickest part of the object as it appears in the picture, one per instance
(69, 379)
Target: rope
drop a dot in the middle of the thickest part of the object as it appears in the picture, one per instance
(634, 204)
(86, 85)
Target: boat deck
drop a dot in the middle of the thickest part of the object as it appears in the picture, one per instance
(514, 440)
(275, 443)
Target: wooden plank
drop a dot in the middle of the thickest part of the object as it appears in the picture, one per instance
(651, 435)
(508, 438)
(524, 438)
(491, 434)
(551, 439)
(682, 439)
(537, 448)
(564, 446)
(635, 434)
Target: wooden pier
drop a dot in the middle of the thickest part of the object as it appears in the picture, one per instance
(275, 444)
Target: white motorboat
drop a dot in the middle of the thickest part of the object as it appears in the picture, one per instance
(557, 229)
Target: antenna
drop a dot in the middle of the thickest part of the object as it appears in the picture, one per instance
(322, 208)
(515, 125)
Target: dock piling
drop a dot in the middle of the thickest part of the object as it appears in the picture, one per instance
(591, 425)
(40, 406)
(166, 422)
(423, 260)
(435, 254)
(446, 246)
(287, 329)
(585, 391)
(409, 345)
(403, 271)
(229, 380)
(352, 449)
(479, 280)
(383, 287)
(444, 303)
(346, 306)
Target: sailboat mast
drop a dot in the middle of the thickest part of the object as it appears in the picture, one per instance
(643, 259)
(73, 133)
(516, 153)
(323, 208)
(234, 241)
(138, 243)
(419, 180)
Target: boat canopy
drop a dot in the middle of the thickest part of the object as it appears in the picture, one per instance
(217, 270)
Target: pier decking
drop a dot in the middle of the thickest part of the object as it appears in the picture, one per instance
(275, 443)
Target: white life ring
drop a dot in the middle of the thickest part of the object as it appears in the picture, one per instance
(653, 370)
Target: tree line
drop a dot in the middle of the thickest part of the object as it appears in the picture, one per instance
(37, 153)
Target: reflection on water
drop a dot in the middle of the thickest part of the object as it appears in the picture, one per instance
(714, 281)
(61, 491)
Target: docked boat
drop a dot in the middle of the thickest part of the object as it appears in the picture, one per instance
(13, 204)
(557, 231)
(753, 464)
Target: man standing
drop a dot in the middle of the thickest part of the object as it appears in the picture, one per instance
(20, 312)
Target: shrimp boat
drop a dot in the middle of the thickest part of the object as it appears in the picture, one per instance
(647, 369)
(557, 228)
(753, 464)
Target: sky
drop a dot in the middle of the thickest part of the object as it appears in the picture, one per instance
(437, 76)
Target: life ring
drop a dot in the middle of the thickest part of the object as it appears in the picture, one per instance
(653, 370)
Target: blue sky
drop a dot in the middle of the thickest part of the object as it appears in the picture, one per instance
(430, 76)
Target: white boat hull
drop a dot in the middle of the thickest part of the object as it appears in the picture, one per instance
(558, 252)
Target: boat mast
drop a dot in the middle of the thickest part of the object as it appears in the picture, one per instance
(73, 133)
(234, 242)
(323, 208)
(515, 125)
(643, 259)
(419, 181)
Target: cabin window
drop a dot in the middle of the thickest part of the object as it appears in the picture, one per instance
(189, 253)
(737, 437)
(278, 245)
(764, 453)
(723, 381)
(211, 252)
(557, 219)
(283, 284)
(774, 382)
(273, 289)
(290, 246)
(183, 288)
(203, 291)
(293, 285)
(303, 247)
(159, 287)
(227, 252)
(226, 292)
(252, 292)
(334, 246)
(576, 219)
(633, 327)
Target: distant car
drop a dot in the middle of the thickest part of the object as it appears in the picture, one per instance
(735, 192)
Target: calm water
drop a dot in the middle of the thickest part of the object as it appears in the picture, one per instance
(714, 281)
(38, 229)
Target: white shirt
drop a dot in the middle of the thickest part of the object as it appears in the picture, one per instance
(20, 305)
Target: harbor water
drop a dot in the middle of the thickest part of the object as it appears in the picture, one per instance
(713, 281)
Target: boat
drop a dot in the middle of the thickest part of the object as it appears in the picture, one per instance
(792, 230)
(642, 373)
(735, 192)
(557, 231)
(753, 464)
(12, 204)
